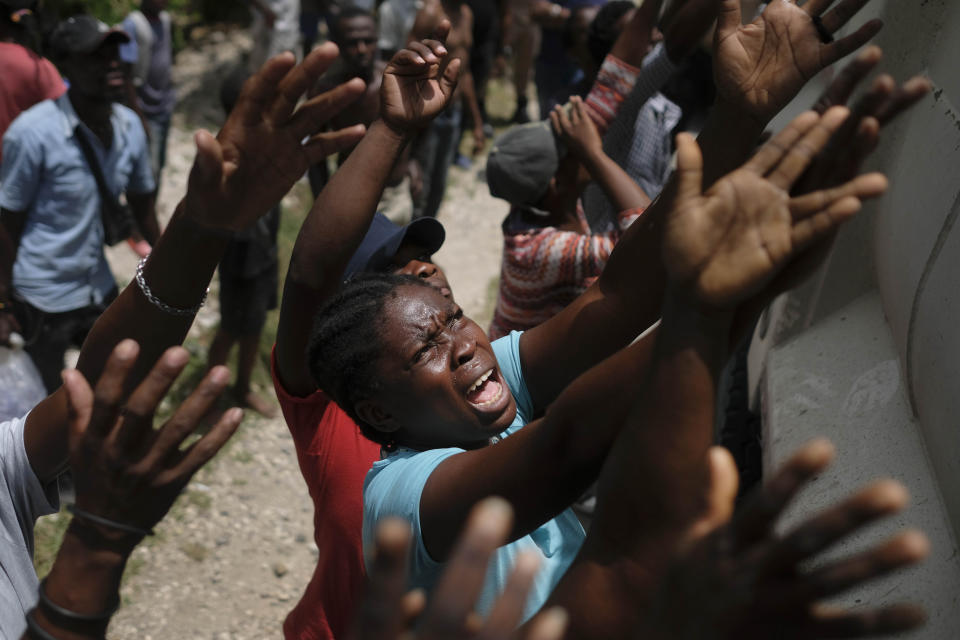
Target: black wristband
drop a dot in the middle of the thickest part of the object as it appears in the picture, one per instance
(95, 519)
(35, 631)
(59, 613)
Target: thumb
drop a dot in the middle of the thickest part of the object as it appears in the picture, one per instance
(208, 165)
(689, 167)
(79, 402)
(448, 81)
(728, 19)
(724, 481)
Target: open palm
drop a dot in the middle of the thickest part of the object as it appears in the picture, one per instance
(761, 66)
(727, 244)
(260, 151)
(418, 83)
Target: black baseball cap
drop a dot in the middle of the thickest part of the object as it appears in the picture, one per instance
(384, 239)
(83, 34)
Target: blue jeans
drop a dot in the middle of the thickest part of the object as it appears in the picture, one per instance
(434, 151)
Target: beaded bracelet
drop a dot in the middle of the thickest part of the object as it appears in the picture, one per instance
(160, 304)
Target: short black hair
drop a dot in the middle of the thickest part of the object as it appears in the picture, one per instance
(347, 12)
(346, 345)
(603, 30)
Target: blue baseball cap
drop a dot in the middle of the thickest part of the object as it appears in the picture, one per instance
(384, 239)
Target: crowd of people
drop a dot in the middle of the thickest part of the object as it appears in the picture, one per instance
(442, 460)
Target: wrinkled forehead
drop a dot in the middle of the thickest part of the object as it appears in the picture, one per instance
(410, 315)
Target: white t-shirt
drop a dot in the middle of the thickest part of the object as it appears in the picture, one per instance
(23, 499)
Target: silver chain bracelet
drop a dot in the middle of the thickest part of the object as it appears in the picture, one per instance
(160, 304)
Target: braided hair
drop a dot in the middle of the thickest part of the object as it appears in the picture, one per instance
(346, 344)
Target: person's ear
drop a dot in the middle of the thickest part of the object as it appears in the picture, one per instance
(374, 415)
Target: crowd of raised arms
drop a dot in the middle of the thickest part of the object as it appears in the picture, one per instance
(443, 463)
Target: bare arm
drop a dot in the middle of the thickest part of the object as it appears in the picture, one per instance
(341, 215)
(235, 179)
(144, 210)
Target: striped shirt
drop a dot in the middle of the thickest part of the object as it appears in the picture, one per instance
(544, 269)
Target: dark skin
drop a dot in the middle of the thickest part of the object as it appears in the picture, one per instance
(96, 81)
(235, 179)
(357, 40)
(126, 471)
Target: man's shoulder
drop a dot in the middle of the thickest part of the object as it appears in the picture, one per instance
(35, 122)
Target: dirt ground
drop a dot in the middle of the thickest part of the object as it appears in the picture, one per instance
(234, 555)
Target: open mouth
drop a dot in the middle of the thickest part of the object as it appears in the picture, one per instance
(486, 390)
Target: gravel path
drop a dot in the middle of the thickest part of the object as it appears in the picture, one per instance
(235, 553)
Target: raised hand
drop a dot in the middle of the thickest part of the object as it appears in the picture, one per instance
(268, 141)
(126, 471)
(576, 129)
(842, 158)
(743, 580)
(760, 67)
(725, 245)
(418, 83)
(387, 614)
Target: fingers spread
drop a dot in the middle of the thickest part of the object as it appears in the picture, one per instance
(760, 511)
(846, 45)
(905, 549)
(138, 416)
(325, 144)
(776, 147)
(861, 187)
(108, 395)
(912, 91)
(819, 532)
(724, 480)
(840, 14)
(298, 80)
(188, 416)
(458, 587)
(201, 451)
(314, 114)
(847, 80)
(802, 152)
(823, 224)
(259, 91)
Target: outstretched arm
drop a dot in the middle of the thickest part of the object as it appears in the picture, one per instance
(416, 87)
(127, 477)
(720, 247)
(628, 296)
(237, 176)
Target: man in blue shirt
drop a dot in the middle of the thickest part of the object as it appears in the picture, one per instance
(150, 56)
(54, 277)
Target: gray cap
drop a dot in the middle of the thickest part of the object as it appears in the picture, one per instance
(522, 162)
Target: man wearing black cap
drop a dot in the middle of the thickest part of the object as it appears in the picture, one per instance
(54, 277)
